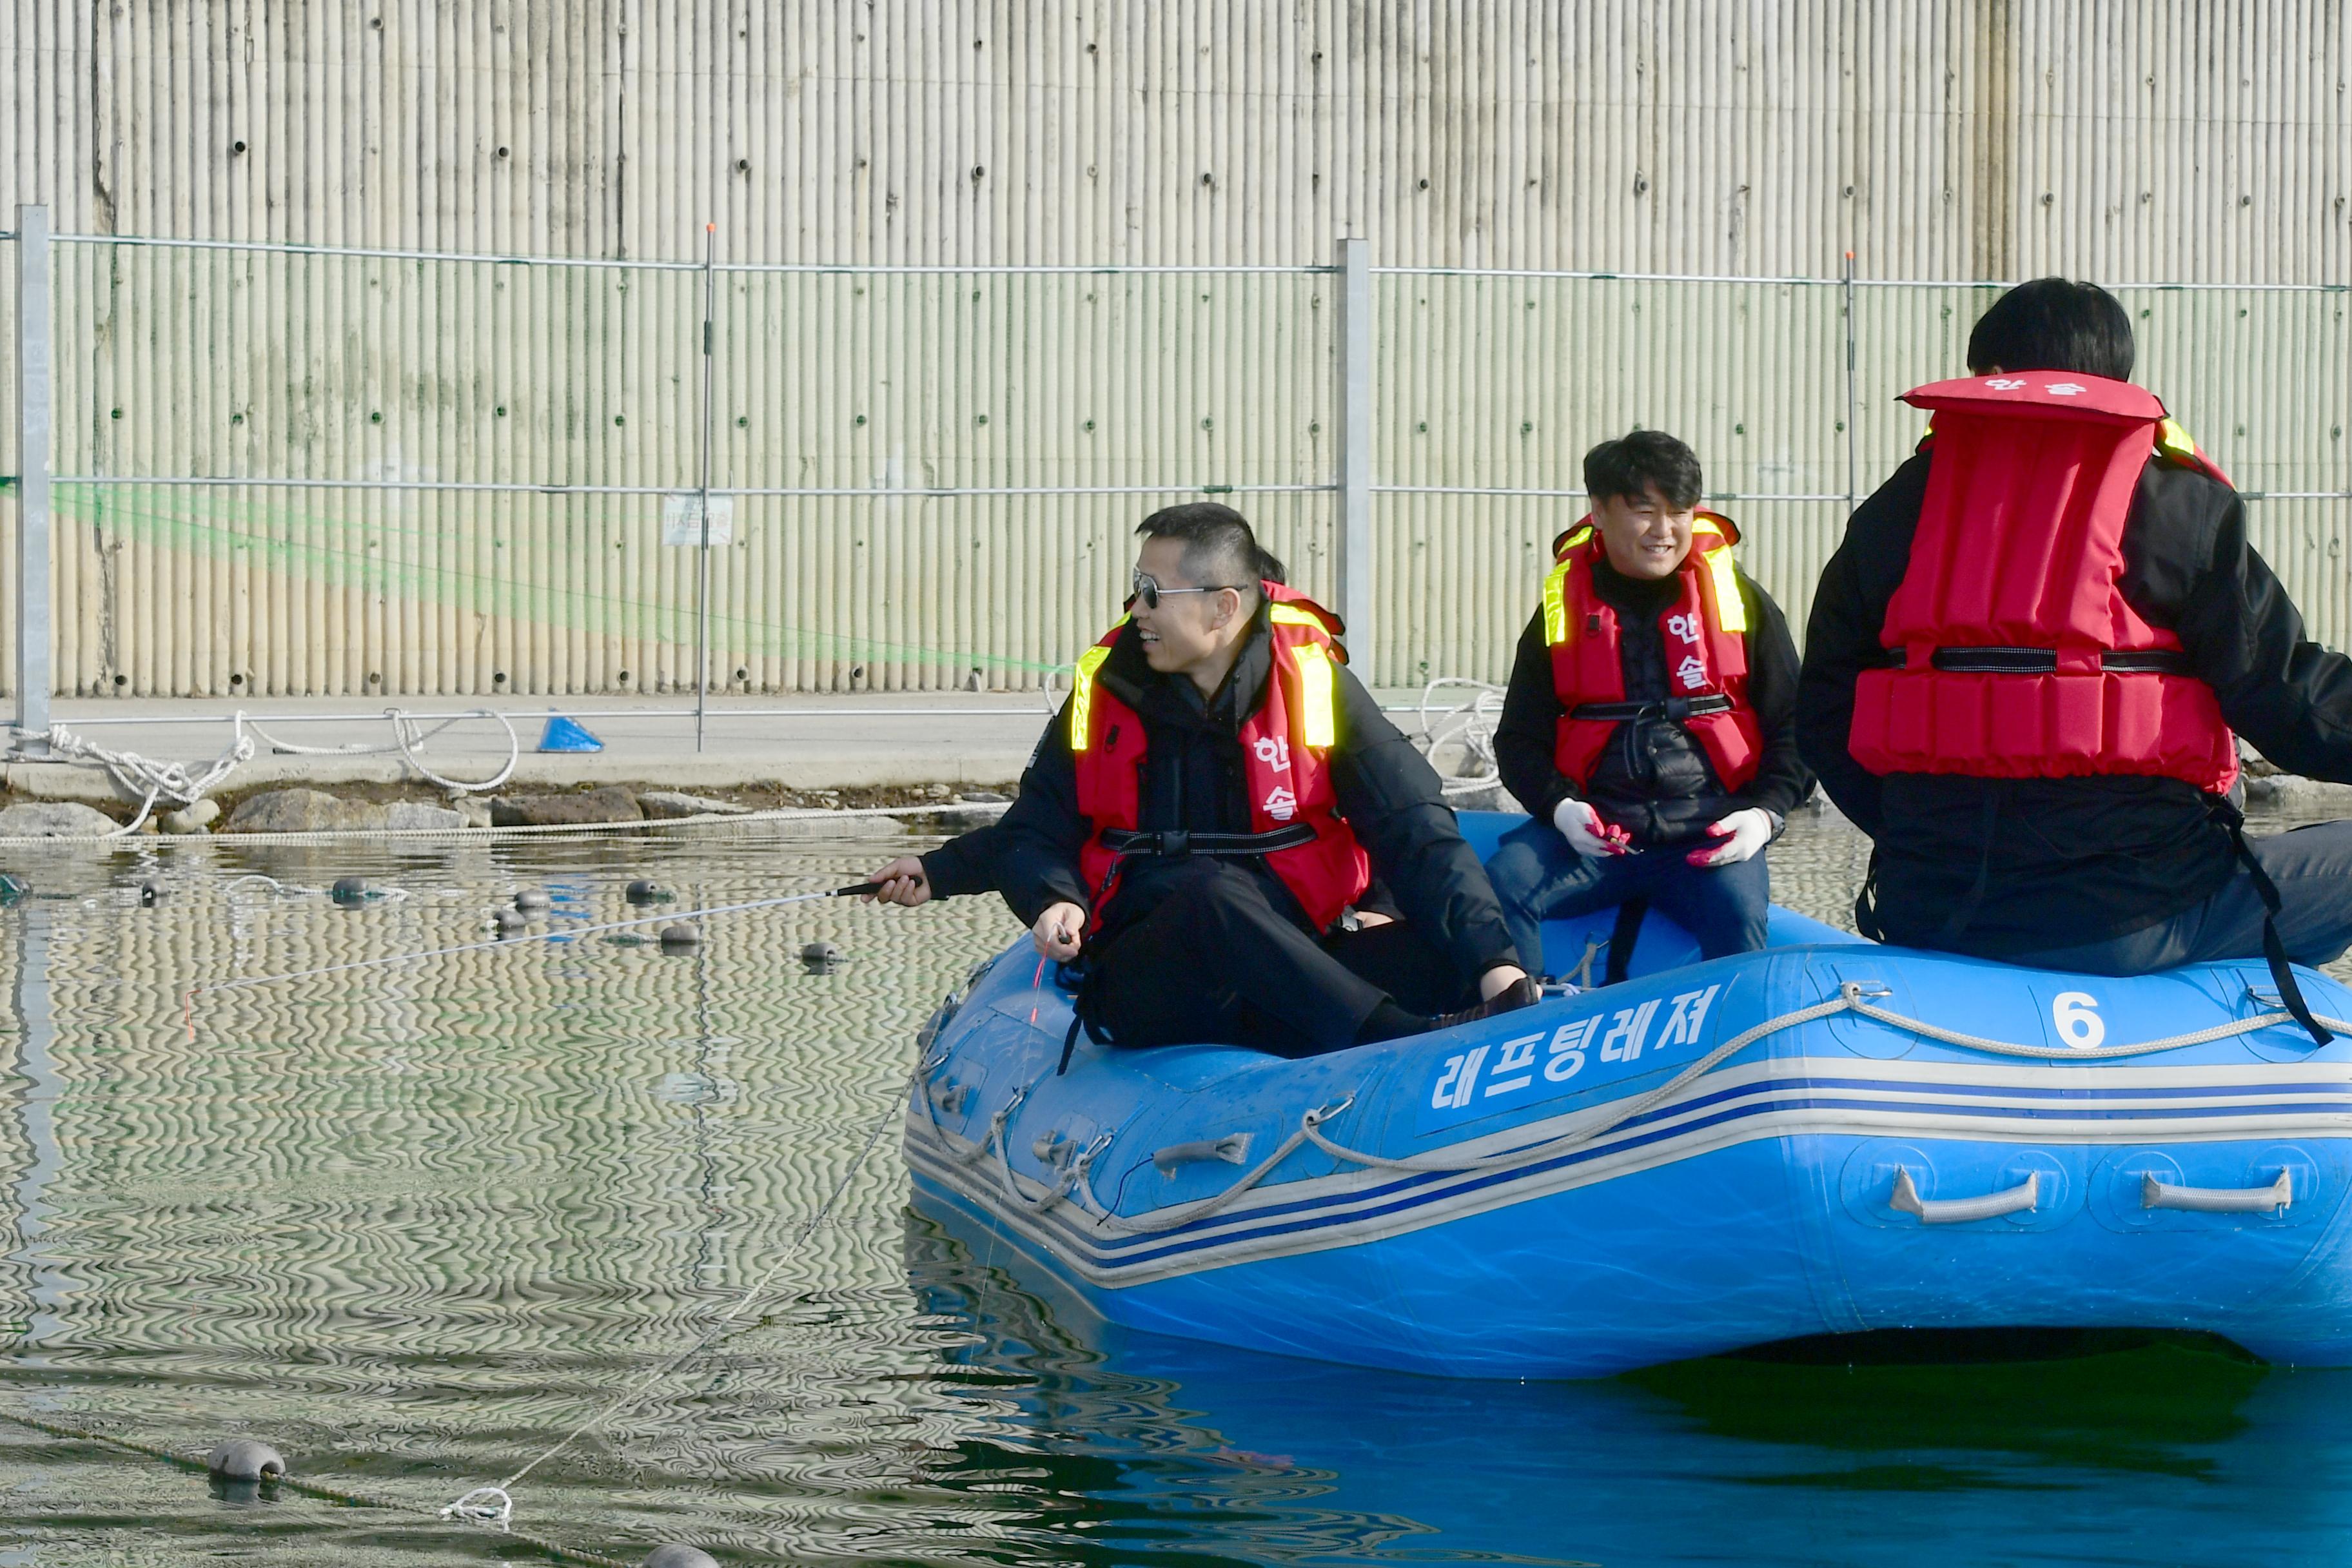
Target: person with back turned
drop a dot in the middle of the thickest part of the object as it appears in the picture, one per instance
(1202, 816)
(1647, 725)
(2026, 661)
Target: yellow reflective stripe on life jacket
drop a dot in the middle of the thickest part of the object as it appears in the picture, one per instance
(1082, 695)
(1730, 610)
(1556, 606)
(2176, 443)
(1283, 615)
(1319, 727)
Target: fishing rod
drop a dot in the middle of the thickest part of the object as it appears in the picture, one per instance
(188, 997)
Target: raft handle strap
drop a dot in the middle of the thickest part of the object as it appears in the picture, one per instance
(2021, 1199)
(2273, 1199)
(1232, 1149)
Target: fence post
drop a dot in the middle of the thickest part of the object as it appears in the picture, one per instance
(34, 392)
(1851, 468)
(1354, 533)
(702, 594)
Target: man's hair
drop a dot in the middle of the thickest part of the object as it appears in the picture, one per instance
(2052, 324)
(1641, 460)
(1220, 550)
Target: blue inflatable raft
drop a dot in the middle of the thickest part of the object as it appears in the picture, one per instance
(1826, 1136)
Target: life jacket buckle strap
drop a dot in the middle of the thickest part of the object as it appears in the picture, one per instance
(2047, 661)
(1178, 843)
(1675, 708)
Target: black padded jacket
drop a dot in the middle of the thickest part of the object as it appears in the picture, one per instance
(2069, 861)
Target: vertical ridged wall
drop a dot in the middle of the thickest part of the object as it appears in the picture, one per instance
(1986, 139)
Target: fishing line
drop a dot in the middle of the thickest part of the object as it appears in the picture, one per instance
(188, 997)
(493, 1505)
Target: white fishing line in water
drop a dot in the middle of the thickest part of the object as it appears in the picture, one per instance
(494, 1504)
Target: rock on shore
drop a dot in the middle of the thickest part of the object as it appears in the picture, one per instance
(610, 804)
(664, 805)
(314, 811)
(54, 819)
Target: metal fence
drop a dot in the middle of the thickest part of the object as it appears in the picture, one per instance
(284, 470)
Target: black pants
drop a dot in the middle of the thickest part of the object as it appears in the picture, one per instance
(1217, 963)
(2313, 868)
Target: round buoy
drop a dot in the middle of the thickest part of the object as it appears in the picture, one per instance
(509, 921)
(243, 1459)
(677, 1555)
(151, 892)
(350, 890)
(681, 935)
(822, 957)
(531, 899)
(643, 891)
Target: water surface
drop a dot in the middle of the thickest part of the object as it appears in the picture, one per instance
(412, 1224)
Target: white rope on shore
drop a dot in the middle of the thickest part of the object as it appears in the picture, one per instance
(520, 830)
(136, 776)
(150, 781)
(1469, 724)
(408, 738)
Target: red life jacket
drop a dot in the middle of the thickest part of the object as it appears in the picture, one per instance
(2013, 654)
(1704, 633)
(1286, 762)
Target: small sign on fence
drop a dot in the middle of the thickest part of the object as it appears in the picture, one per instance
(682, 518)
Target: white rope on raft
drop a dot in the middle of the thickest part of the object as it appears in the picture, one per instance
(1603, 1120)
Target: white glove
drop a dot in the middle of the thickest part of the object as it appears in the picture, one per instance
(1742, 833)
(1586, 833)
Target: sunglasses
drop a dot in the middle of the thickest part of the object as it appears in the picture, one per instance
(1148, 589)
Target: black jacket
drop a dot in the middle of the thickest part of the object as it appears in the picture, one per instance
(2068, 861)
(1655, 781)
(1193, 779)
(964, 864)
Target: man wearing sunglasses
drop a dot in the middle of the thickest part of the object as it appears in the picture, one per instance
(1202, 816)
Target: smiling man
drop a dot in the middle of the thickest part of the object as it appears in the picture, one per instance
(1204, 814)
(1650, 724)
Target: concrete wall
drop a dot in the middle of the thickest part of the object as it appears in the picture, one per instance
(2001, 138)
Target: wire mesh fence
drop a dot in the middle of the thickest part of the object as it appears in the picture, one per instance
(287, 470)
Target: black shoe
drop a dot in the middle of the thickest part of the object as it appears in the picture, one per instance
(1520, 992)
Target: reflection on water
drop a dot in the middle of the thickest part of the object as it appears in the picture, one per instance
(412, 1224)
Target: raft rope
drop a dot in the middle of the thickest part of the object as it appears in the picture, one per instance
(1599, 1121)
